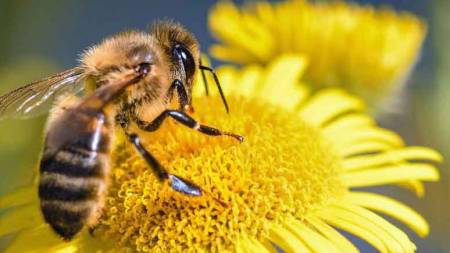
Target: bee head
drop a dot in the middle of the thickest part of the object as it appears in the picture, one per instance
(181, 47)
(126, 50)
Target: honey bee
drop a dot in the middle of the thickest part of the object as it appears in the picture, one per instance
(128, 80)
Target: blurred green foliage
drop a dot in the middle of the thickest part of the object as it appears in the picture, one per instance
(20, 140)
(432, 120)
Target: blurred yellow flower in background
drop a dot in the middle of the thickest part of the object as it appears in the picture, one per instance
(367, 51)
(293, 182)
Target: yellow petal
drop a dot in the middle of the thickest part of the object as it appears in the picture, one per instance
(392, 208)
(270, 246)
(258, 33)
(328, 104)
(286, 240)
(67, 249)
(358, 48)
(347, 123)
(363, 135)
(247, 82)
(227, 77)
(304, 94)
(250, 245)
(354, 227)
(264, 11)
(391, 174)
(19, 218)
(230, 54)
(241, 32)
(36, 240)
(372, 146)
(241, 83)
(199, 85)
(414, 185)
(334, 236)
(392, 156)
(19, 197)
(281, 81)
(285, 35)
(313, 240)
(392, 236)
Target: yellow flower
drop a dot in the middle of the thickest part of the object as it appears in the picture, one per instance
(293, 182)
(368, 52)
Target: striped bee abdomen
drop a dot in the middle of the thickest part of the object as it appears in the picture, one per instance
(73, 171)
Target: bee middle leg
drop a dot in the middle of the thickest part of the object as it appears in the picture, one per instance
(186, 120)
(183, 99)
(177, 183)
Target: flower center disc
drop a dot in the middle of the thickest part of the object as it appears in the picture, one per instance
(284, 168)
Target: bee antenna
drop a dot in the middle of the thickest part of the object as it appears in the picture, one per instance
(205, 82)
(216, 79)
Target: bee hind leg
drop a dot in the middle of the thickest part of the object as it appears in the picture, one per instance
(177, 183)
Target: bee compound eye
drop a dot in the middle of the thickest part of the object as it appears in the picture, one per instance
(187, 59)
(143, 68)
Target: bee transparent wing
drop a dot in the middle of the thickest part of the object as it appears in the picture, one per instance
(36, 98)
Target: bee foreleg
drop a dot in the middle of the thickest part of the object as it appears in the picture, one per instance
(177, 183)
(183, 98)
(186, 120)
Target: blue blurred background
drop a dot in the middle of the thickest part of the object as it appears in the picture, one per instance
(38, 38)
